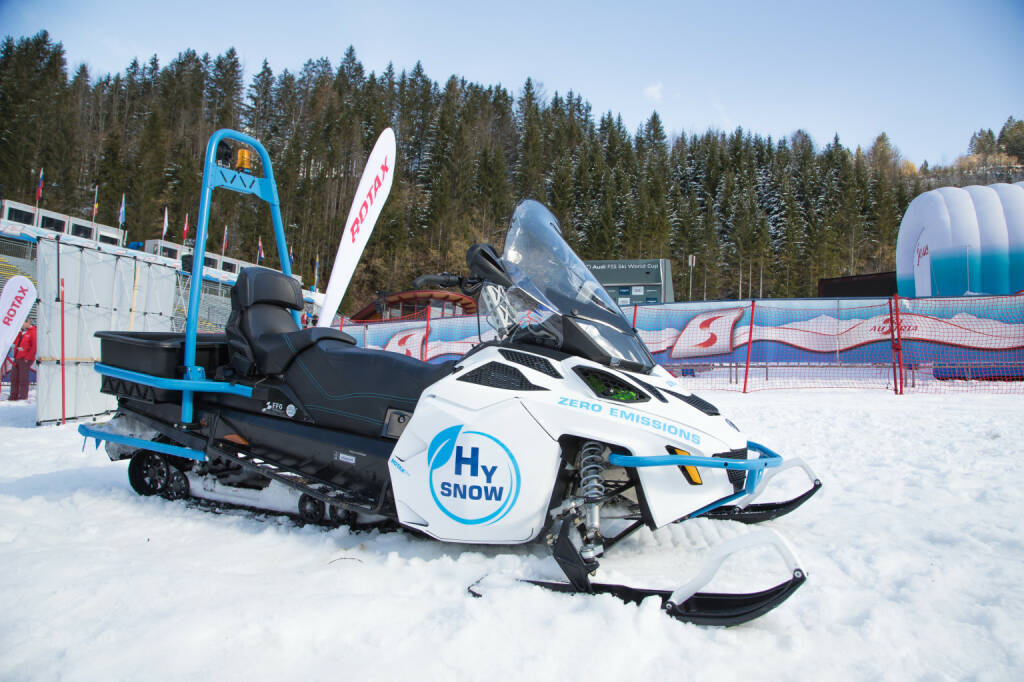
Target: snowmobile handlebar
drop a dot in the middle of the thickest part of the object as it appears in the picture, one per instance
(444, 280)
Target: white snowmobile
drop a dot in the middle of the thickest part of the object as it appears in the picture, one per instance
(560, 429)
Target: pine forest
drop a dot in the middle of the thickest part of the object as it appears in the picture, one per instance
(764, 217)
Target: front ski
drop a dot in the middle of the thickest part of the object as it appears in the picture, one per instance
(686, 603)
(702, 608)
(749, 512)
(765, 511)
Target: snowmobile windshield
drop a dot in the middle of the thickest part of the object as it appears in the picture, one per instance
(541, 264)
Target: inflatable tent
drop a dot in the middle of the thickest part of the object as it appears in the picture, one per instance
(955, 241)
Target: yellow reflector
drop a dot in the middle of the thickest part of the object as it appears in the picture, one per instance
(692, 475)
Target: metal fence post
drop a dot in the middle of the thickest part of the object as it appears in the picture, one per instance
(892, 340)
(426, 337)
(750, 342)
(899, 340)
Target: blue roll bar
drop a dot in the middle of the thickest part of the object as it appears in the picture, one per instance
(263, 188)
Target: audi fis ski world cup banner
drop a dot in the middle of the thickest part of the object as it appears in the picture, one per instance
(15, 303)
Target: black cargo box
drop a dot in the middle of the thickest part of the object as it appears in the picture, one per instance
(159, 354)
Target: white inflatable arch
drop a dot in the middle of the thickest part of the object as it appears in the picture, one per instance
(955, 241)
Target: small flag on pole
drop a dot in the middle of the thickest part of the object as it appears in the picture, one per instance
(39, 187)
(95, 202)
(184, 235)
(164, 232)
(224, 242)
(120, 214)
(259, 251)
(316, 273)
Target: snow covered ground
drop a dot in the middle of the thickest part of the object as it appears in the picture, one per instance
(914, 548)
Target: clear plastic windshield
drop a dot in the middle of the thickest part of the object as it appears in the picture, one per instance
(535, 245)
(554, 299)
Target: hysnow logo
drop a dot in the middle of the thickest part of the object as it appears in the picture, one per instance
(474, 478)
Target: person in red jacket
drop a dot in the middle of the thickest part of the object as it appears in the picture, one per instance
(24, 356)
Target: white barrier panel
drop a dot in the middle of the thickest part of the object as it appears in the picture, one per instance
(103, 290)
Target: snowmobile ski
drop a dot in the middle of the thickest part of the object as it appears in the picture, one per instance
(685, 603)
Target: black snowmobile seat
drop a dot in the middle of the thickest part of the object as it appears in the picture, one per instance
(341, 385)
(346, 387)
(263, 337)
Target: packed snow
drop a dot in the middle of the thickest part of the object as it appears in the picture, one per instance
(914, 551)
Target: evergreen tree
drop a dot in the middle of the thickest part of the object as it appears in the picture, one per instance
(34, 118)
(530, 156)
(1011, 138)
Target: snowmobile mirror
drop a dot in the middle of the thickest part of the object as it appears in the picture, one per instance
(485, 263)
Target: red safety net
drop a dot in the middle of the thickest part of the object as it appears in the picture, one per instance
(752, 346)
(967, 344)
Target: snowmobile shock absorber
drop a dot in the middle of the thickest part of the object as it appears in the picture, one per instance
(592, 490)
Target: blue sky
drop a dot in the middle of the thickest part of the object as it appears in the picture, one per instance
(927, 73)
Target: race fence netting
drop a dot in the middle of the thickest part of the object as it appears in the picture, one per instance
(757, 345)
(964, 344)
(971, 344)
(86, 289)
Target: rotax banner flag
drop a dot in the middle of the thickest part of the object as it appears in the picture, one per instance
(15, 303)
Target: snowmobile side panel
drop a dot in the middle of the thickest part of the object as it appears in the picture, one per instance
(474, 475)
(572, 408)
(344, 459)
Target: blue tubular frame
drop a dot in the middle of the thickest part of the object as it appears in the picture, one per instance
(166, 448)
(194, 385)
(755, 468)
(195, 380)
(263, 188)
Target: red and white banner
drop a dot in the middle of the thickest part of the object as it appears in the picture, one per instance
(410, 342)
(372, 192)
(715, 332)
(15, 303)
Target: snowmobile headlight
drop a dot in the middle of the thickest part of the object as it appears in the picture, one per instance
(689, 471)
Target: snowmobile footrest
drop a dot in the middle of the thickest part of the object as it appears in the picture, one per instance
(324, 491)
